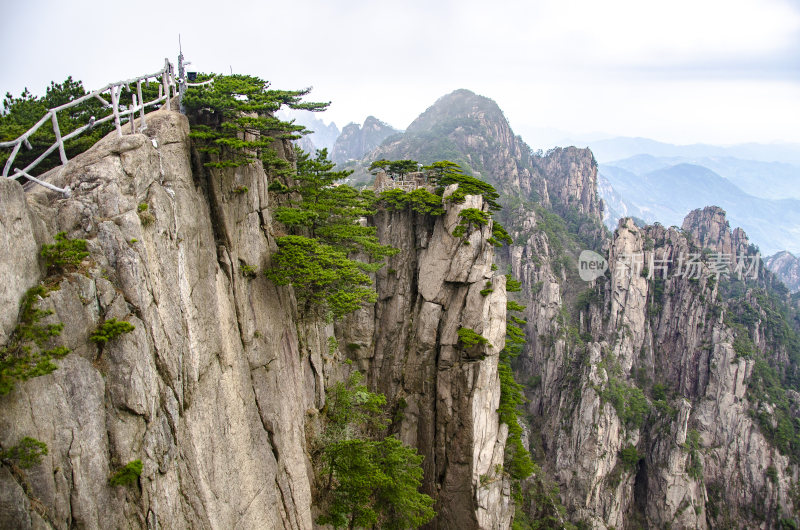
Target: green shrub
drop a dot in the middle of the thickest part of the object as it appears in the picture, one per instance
(499, 236)
(127, 475)
(241, 190)
(469, 338)
(588, 298)
(470, 219)
(467, 185)
(629, 457)
(65, 254)
(367, 479)
(24, 357)
(743, 346)
(511, 305)
(324, 278)
(512, 285)
(244, 125)
(146, 218)
(420, 200)
(26, 453)
(109, 330)
(277, 187)
(629, 401)
(248, 271)
(694, 466)
(487, 290)
(772, 474)
(328, 258)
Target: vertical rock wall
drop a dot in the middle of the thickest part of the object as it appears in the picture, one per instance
(449, 393)
(209, 390)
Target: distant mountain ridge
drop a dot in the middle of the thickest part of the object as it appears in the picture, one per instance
(323, 136)
(355, 141)
(786, 267)
(611, 149)
(767, 180)
(668, 193)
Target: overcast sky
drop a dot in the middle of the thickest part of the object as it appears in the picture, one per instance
(682, 71)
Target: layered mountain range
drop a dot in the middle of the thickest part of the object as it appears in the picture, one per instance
(661, 393)
(665, 190)
(647, 401)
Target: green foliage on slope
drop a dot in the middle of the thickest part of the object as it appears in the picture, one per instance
(317, 258)
(628, 400)
(26, 453)
(21, 113)
(368, 479)
(25, 355)
(127, 475)
(518, 460)
(65, 254)
(233, 121)
(760, 307)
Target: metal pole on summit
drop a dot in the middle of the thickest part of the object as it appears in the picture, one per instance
(165, 80)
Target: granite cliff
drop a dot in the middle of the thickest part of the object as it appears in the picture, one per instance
(218, 388)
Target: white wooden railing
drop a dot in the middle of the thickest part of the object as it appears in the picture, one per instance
(169, 86)
(405, 185)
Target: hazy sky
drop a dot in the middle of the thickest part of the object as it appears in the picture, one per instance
(683, 71)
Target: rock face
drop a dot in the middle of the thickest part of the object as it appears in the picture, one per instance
(411, 351)
(640, 406)
(702, 459)
(217, 387)
(571, 174)
(711, 230)
(21, 236)
(642, 390)
(206, 391)
(356, 141)
(786, 267)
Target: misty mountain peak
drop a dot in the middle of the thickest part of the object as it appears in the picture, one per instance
(459, 104)
(711, 229)
(358, 140)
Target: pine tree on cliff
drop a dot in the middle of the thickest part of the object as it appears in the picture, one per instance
(324, 220)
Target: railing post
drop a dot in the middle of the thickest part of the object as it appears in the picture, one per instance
(141, 102)
(181, 82)
(168, 79)
(115, 109)
(11, 159)
(165, 80)
(57, 132)
(132, 115)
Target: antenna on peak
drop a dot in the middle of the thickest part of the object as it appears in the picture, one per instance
(180, 48)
